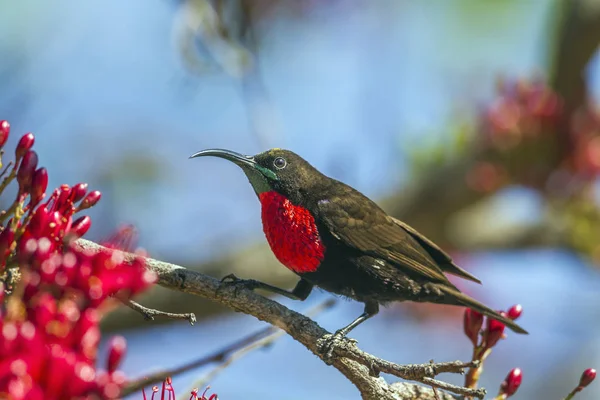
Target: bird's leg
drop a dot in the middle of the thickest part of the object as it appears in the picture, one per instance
(371, 309)
(300, 292)
(329, 342)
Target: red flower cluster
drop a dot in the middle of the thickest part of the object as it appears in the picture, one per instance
(484, 341)
(168, 392)
(528, 137)
(522, 109)
(194, 395)
(473, 322)
(54, 291)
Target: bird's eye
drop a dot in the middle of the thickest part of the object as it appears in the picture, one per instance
(279, 163)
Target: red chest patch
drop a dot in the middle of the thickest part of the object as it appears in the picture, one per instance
(291, 233)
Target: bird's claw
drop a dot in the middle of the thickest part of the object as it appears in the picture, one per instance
(328, 343)
(232, 280)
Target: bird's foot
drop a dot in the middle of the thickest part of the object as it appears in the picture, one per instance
(327, 344)
(232, 280)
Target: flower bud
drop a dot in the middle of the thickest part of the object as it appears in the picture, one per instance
(587, 377)
(118, 346)
(80, 226)
(61, 203)
(515, 311)
(39, 184)
(78, 192)
(55, 225)
(26, 170)
(472, 323)
(511, 383)
(39, 221)
(4, 132)
(493, 333)
(24, 145)
(90, 200)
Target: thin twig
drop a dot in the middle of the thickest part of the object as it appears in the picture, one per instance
(236, 356)
(159, 376)
(479, 393)
(5, 168)
(223, 355)
(9, 177)
(150, 313)
(263, 342)
(7, 213)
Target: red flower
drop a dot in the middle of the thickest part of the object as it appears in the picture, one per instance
(515, 311)
(117, 346)
(167, 392)
(39, 184)
(587, 377)
(472, 323)
(26, 171)
(493, 333)
(51, 323)
(90, 200)
(25, 143)
(78, 192)
(80, 226)
(4, 132)
(511, 383)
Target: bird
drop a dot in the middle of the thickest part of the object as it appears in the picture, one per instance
(334, 237)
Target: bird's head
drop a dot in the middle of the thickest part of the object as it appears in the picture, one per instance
(277, 170)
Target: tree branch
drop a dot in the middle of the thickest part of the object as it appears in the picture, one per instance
(578, 38)
(350, 361)
(410, 391)
(272, 334)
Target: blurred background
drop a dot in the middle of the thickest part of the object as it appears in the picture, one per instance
(473, 121)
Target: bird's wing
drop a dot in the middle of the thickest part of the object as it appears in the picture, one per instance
(438, 255)
(371, 230)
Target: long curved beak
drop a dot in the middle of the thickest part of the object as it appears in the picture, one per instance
(237, 158)
(258, 175)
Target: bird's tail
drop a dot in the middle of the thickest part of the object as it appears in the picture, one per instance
(461, 298)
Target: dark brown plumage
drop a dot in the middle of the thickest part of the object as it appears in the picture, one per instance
(364, 253)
